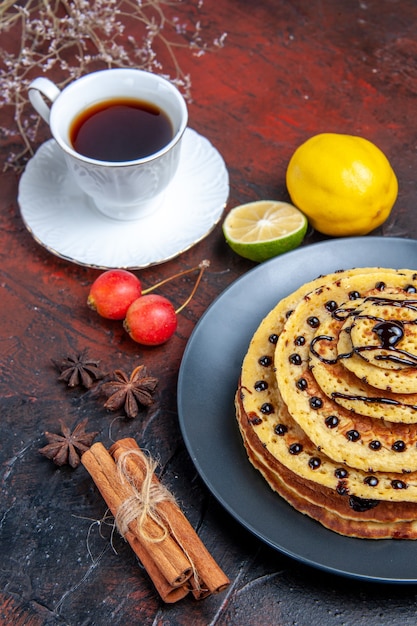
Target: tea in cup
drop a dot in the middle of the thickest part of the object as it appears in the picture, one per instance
(120, 131)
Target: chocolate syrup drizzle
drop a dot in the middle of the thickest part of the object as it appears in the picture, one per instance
(389, 333)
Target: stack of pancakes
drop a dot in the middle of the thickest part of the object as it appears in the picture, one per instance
(327, 401)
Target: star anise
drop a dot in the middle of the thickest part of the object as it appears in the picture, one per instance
(78, 369)
(66, 449)
(130, 392)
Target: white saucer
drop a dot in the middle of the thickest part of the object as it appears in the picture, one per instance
(64, 220)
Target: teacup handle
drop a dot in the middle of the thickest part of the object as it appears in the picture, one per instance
(39, 89)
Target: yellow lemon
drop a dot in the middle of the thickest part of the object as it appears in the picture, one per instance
(263, 229)
(344, 184)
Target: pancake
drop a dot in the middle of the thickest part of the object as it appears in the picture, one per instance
(380, 327)
(353, 393)
(337, 500)
(397, 374)
(346, 515)
(308, 455)
(372, 443)
(283, 437)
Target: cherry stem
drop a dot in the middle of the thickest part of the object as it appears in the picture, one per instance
(201, 266)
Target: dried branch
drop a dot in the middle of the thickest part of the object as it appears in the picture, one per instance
(74, 37)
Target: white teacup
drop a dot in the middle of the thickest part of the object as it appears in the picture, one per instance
(119, 189)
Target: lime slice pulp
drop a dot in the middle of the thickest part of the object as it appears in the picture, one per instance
(263, 229)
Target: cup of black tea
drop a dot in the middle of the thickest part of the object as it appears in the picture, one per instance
(120, 131)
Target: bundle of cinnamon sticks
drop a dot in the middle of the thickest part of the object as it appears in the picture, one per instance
(148, 517)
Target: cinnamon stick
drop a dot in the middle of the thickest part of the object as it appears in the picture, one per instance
(207, 577)
(166, 591)
(161, 556)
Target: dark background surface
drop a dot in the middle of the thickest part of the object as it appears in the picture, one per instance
(288, 70)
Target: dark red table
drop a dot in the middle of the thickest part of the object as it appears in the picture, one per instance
(288, 70)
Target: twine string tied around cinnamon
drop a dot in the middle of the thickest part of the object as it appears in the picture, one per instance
(143, 504)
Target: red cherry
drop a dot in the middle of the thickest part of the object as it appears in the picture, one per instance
(151, 320)
(113, 292)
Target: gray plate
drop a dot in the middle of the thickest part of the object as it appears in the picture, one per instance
(207, 382)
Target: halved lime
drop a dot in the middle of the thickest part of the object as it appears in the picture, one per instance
(263, 229)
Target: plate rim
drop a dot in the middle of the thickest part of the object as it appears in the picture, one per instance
(313, 250)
